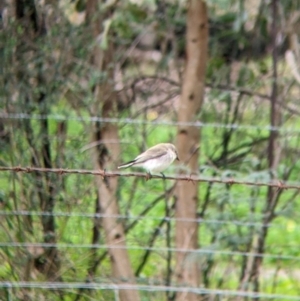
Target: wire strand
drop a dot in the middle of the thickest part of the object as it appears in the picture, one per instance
(190, 178)
(202, 251)
(145, 288)
(146, 217)
(126, 121)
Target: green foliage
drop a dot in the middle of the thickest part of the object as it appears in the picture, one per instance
(53, 76)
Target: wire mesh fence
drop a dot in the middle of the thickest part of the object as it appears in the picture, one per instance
(228, 239)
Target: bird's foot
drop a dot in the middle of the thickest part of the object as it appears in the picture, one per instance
(164, 177)
(148, 176)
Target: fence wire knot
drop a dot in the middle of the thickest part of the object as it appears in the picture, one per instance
(61, 171)
(280, 185)
(103, 174)
(190, 179)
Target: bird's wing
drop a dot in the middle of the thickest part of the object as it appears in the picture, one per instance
(151, 153)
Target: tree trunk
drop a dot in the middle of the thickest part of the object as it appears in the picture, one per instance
(106, 156)
(26, 14)
(274, 152)
(188, 139)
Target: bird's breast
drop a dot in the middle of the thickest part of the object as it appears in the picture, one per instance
(158, 164)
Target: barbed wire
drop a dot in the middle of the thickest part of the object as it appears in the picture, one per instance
(145, 217)
(276, 183)
(148, 288)
(126, 121)
(279, 184)
(201, 251)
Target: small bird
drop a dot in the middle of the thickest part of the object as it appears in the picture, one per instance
(155, 159)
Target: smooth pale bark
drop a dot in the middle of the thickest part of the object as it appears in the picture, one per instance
(106, 156)
(113, 228)
(188, 141)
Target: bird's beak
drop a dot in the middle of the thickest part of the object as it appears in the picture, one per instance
(177, 159)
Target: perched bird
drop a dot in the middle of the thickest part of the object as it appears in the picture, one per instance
(155, 159)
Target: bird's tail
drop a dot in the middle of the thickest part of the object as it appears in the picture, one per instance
(125, 165)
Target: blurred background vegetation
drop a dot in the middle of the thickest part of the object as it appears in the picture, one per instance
(49, 76)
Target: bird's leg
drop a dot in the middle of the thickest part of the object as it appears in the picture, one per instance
(148, 176)
(164, 182)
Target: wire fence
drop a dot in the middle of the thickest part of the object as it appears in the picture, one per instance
(54, 238)
(107, 284)
(229, 232)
